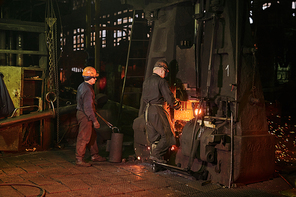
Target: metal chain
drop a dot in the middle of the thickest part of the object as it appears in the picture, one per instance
(50, 52)
(53, 67)
(51, 21)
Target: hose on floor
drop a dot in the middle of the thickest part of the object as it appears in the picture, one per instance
(29, 185)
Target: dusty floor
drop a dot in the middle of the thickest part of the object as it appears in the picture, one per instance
(54, 173)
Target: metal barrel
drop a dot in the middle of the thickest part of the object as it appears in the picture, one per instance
(116, 147)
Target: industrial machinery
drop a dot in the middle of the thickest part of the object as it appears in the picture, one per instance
(221, 128)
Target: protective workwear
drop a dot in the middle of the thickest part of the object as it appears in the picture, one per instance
(86, 138)
(86, 118)
(155, 92)
(90, 72)
(85, 101)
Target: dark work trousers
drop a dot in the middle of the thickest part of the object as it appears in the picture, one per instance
(158, 129)
(86, 137)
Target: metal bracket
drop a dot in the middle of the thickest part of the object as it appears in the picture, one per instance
(14, 111)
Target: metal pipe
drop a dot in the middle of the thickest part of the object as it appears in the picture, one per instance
(36, 106)
(26, 118)
(216, 118)
(231, 151)
(211, 56)
(236, 61)
(198, 40)
(19, 46)
(236, 97)
(286, 180)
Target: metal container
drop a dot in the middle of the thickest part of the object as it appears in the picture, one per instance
(116, 147)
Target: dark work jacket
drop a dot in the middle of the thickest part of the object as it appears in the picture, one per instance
(6, 104)
(156, 91)
(85, 100)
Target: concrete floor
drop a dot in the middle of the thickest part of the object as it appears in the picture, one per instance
(54, 173)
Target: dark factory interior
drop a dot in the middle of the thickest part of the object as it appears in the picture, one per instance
(235, 60)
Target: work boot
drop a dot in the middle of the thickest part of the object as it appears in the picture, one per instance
(82, 163)
(97, 158)
(157, 159)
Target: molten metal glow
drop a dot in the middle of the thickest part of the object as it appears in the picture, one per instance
(148, 147)
(197, 112)
(186, 112)
(139, 158)
(174, 147)
(183, 115)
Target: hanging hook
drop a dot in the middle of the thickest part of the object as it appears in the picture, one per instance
(51, 97)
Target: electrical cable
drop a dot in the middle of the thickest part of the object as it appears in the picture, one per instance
(29, 185)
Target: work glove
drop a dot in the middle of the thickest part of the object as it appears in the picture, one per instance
(96, 125)
(177, 105)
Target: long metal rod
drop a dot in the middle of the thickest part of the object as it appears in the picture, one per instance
(126, 68)
(113, 128)
(236, 60)
(231, 151)
(236, 96)
(107, 123)
(14, 111)
(173, 167)
(198, 40)
(211, 56)
(286, 180)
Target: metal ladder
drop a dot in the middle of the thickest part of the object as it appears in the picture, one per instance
(129, 59)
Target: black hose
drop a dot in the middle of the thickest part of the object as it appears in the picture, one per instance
(29, 185)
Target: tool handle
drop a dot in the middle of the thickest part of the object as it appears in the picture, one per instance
(108, 123)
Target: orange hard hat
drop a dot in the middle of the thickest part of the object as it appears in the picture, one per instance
(89, 72)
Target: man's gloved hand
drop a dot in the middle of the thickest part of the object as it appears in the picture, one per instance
(96, 125)
(177, 105)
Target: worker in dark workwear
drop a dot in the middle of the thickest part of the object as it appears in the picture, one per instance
(155, 92)
(86, 118)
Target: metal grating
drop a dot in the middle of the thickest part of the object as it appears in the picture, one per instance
(189, 191)
(204, 188)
